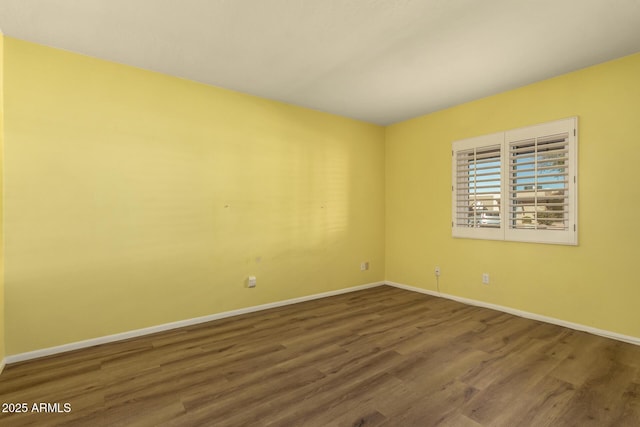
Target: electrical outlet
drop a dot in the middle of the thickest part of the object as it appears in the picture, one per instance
(485, 278)
(437, 271)
(251, 282)
(364, 266)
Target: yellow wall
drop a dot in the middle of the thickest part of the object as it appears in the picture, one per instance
(2, 322)
(595, 283)
(135, 199)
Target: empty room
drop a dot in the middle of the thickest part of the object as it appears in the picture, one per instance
(319, 213)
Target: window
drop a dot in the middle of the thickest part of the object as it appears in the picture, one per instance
(518, 185)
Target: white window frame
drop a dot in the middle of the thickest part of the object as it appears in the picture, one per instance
(508, 230)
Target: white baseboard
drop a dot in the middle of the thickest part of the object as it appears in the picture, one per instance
(188, 322)
(21, 357)
(601, 332)
(3, 363)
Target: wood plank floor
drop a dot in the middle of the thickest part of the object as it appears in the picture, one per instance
(378, 357)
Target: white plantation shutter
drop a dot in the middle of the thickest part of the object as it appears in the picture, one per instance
(477, 187)
(517, 185)
(538, 183)
(542, 183)
(478, 183)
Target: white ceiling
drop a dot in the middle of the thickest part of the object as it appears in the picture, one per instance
(381, 61)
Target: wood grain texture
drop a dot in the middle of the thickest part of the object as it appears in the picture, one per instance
(377, 357)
